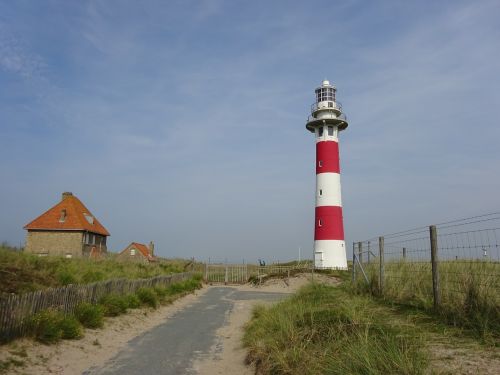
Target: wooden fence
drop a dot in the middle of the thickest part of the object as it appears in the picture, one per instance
(17, 309)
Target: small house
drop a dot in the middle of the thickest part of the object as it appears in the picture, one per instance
(68, 229)
(138, 252)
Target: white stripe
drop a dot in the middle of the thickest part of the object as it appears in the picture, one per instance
(328, 190)
(330, 254)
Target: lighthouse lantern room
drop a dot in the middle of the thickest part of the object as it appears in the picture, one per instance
(326, 121)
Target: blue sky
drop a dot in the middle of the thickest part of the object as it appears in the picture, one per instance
(183, 122)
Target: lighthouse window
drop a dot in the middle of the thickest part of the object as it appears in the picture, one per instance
(320, 163)
(330, 131)
(320, 131)
(320, 223)
(320, 192)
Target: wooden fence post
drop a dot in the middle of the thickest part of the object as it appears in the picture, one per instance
(404, 252)
(353, 261)
(381, 259)
(368, 253)
(206, 272)
(225, 276)
(435, 267)
(360, 252)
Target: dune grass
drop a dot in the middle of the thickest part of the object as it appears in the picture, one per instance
(22, 272)
(470, 292)
(326, 330)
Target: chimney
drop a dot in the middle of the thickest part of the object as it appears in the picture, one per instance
(66, 194)
(151, 248)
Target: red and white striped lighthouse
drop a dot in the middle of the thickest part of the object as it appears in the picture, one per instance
(325, 122)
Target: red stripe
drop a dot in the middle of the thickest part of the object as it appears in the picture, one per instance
(331, 226)
(327, 155)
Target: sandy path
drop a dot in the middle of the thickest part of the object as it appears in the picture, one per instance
(227, 355)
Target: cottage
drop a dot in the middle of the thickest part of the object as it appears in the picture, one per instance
(68, 229)
(138, 252)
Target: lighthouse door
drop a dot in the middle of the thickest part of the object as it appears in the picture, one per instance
(318, 259)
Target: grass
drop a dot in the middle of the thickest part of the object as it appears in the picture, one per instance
(50, 326)
(470, 292)
(327, 330)
(91, 316)
(22, 272)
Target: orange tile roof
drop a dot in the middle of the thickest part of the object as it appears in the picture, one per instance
(77, 217)
(141, 247)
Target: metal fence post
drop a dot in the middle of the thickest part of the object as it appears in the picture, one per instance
(360, 252)
(353, 261)
(381, 270)
(435, 267)
(368, 253)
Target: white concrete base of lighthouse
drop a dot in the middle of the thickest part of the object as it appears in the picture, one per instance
(330, 254)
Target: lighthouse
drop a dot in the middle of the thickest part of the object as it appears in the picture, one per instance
(326, 121)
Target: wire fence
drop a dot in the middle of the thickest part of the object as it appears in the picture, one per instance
(455, 263)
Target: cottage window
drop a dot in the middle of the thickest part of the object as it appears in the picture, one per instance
(62, 218)
(132, 251)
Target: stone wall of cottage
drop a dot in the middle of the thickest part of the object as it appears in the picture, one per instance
(67, 244)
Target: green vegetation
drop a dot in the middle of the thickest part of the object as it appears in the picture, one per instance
(133, 301)
(50, 326)
(470, 292)
(22, 272)
(148, 297)
(326, 330)
(114, 304)
(91, 316)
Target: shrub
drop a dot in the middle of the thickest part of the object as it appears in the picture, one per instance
(148, 296)
(114, 304)
(65, 277)
(92, 276)
(161, 292)
(71, 328)
(91, 316)
(133, 301)
(45, 326)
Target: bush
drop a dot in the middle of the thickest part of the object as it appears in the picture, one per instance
(71, 328)
(114, 304)
(133, 301)
(65, 277)
(92, 276)
(45, 326)
(148, 296)
(91, 316)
